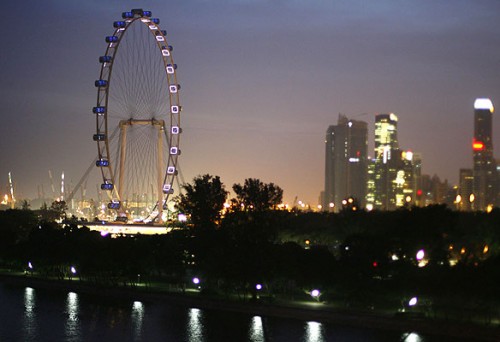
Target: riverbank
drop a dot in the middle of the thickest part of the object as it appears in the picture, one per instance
(311, 311)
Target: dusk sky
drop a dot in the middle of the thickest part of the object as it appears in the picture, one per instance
(261, 82)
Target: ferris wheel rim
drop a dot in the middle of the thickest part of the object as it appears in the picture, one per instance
(102, 137)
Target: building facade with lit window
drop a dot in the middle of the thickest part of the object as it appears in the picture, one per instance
(383, 171)
(465, 192)
(485, 177)
(345, 162)
(393, 173)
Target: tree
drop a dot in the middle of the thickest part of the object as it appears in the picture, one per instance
(257, 196)
(203, 201)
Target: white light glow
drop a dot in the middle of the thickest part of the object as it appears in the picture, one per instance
(314, 332)
(137, 316)
(484, 103)
(256, 333)
(195, 325)
(411, 337)
(413, 301)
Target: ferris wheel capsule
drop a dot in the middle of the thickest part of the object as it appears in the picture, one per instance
(111, 39)
(105, 59)
(119, 24)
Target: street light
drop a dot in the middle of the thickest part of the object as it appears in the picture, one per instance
(421, 259)
(315, 294)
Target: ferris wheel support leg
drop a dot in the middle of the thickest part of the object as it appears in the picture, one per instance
(123, 154)
(159, 188)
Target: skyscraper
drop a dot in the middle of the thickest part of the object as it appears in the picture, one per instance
(386, 162)
(484, 185)
(466, 180)
(345, 162)
(394, 174)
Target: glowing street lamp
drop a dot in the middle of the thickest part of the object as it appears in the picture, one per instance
(315, 294)
(421, 259)
(258, 287)
(196, 280)
(413, 301)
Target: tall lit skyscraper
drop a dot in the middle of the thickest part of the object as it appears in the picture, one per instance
(484, 186)
(394, 174)
(345, 162)
(386, 162)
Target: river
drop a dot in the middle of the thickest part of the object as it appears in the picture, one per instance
(41, 314)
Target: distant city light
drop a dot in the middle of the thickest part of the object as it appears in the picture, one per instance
(73, 270)
(477, 145)
(484, 103)
(413, 301)
(196, 280)
(258, 287)
(315, 293)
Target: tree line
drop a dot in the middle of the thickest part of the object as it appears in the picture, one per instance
(357, 258)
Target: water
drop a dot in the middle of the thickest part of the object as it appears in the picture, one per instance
(32, 314)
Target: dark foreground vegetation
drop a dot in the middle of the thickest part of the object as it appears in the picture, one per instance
(357, 260)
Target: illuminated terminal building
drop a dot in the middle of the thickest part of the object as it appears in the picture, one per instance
(484, 185)
(345, 162)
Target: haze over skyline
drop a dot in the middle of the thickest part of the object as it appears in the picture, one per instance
(261, 83)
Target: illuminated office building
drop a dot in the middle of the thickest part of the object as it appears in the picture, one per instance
(484, 185)
(385, 163)
(465, 193)
(345, 162)
(393, 173)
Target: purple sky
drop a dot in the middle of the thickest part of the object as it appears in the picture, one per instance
(261, 83)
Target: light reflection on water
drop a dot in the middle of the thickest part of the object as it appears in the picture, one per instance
(314, 332)
(35, 314)
(195, 325)
(411, 337)
(137, 320)
(72, 326)
(256, 332)
(29, 318)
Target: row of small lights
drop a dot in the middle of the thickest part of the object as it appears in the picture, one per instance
(31, 267)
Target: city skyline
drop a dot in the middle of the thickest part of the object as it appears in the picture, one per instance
(260, 82)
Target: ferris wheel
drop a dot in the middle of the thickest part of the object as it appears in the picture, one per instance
(137, 118)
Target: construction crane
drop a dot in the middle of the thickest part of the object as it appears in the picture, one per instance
(52, 185)
(62, 186)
